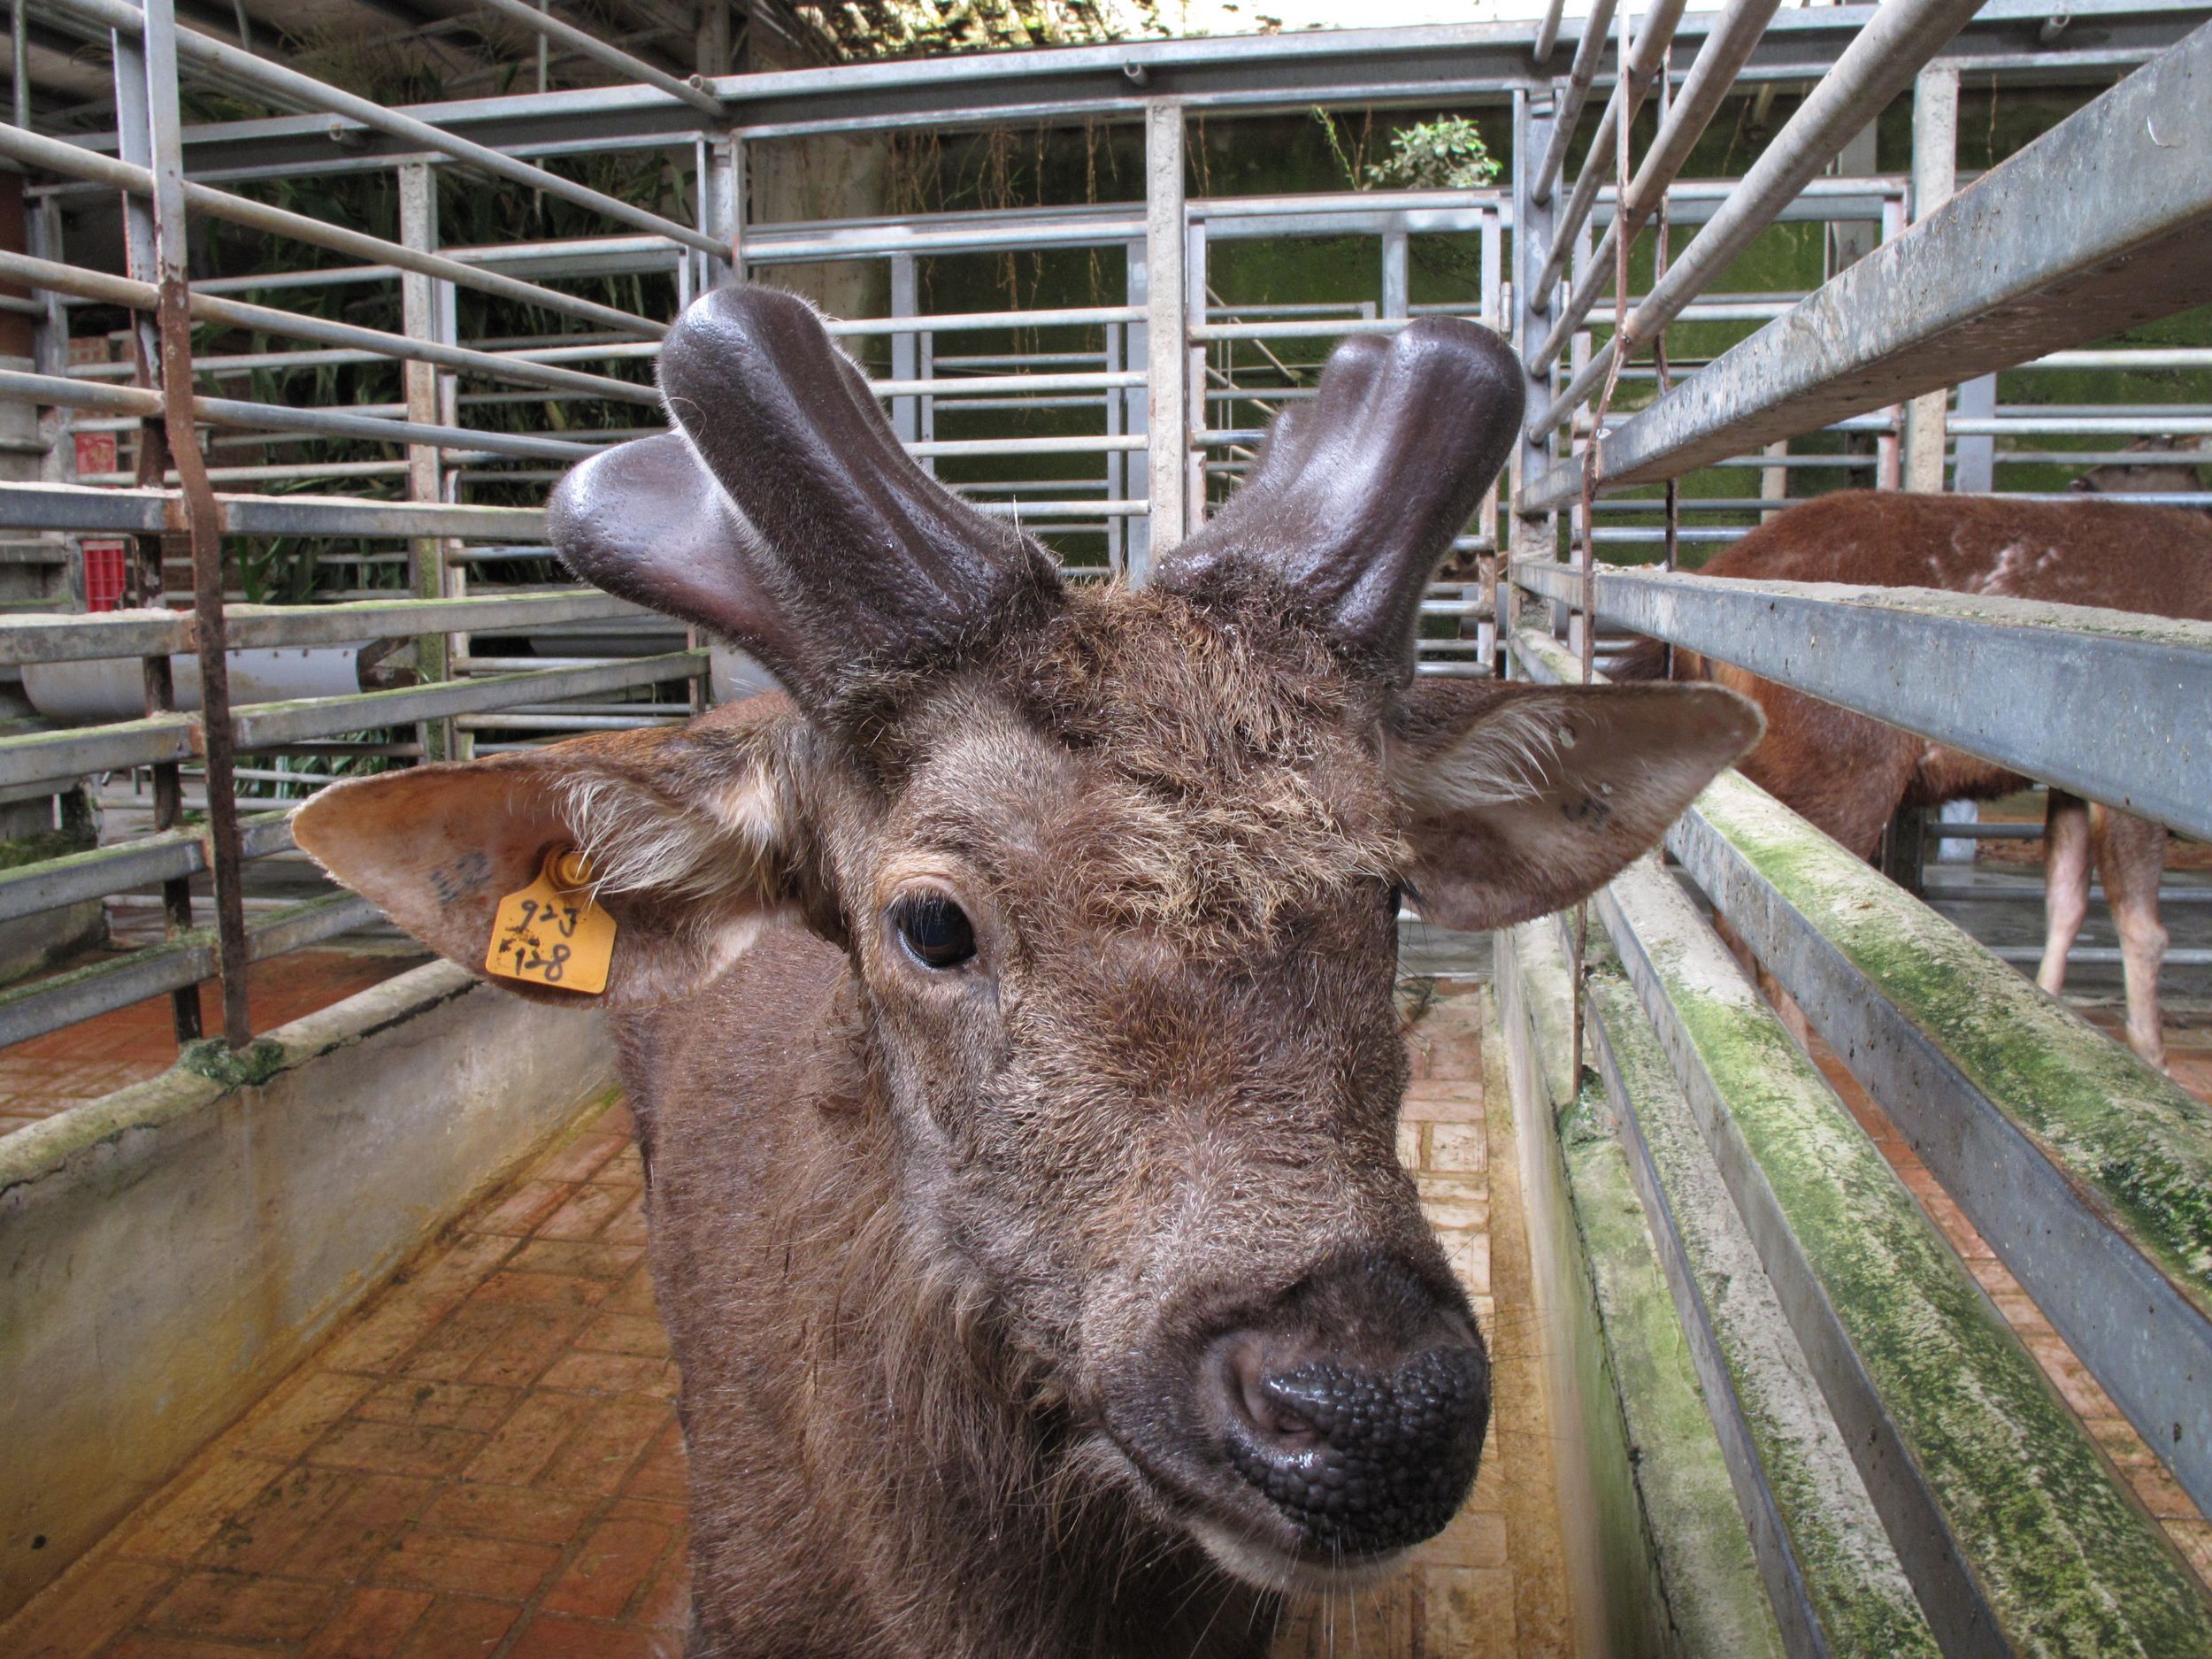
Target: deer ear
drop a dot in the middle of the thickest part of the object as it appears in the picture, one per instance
(1522, 799)
(690, 833)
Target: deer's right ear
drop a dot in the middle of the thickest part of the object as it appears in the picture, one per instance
(692, 836)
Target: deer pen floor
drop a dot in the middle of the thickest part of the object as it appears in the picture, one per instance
(484, 1461)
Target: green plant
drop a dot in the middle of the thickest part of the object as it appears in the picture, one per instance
(1445, 154)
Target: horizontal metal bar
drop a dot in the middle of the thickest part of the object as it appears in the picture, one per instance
(72, 507)
(2084, 1168)
(590, 45)
(1429, 66)
(2102, 223)
(67, 639)
(2088, 672)
(268, 725)
(42, 757)
(101, 872)
(1081, 445)
(207, 52)
(956, 322)
(948, 391)
(75, 161)
(1896, 42)
(2001, 1506)
(371, 342)
(34, 1009)
(2104, 956)
(63, 393)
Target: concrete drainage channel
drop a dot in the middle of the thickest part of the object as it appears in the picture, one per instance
(169, 1252)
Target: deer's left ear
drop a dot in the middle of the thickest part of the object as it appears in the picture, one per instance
(695, 838)
(1519, 800)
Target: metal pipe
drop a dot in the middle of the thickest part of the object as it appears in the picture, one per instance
(1643, 63)
(75, 161)
(2089, 672)
(1547, 33)
(70, 638)
(1887, 53)
(1589, 47)
(1982, 281)
(368, 344)
(259, 72)
(1726, 50)
(225, 411)
(591, 46)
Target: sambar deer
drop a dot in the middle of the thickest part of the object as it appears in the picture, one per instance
(1008, 1009)
(1848, 774)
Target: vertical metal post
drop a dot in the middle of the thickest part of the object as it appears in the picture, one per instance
(20, 39)
(135, 145)
(720, 177)
(202, 515)
(1136, 537)
(1167, 336)
(1889, 467)
(1974, 460)
(1935, 145)
(1397, 279)
(1533, 535)
(906, 413)
(418, 314)
(1117, 462)
(1196, 381)
(1486, 634)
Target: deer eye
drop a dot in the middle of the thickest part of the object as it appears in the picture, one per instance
(935, 930)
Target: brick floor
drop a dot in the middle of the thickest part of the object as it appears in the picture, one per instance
(485, 1460)
(1490, 1587)
(2189, 1050)
(96, 1056)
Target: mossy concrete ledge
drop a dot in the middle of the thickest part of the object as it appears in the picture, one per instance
(168, 1252)
(1659, 1561)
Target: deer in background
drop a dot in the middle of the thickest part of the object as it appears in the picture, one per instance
(1848, 774)
(1008, 1009)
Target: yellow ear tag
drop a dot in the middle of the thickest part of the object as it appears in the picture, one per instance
(553, 932)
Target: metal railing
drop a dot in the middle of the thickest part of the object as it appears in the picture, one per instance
(2081, 1168)
(1158, 391)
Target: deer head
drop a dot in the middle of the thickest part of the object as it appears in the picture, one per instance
(1118, 872)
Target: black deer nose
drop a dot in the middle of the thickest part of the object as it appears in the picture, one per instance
(1361, 1461)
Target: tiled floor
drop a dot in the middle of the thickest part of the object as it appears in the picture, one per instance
(1491, 1585)
(82, 1062)
(2189, 1050)
(486, 1463)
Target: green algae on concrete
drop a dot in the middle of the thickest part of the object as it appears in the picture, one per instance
(1700, 1552)
(1657, 1552)
(2140, 1143)
(2059, 1554)
(1853, 1588)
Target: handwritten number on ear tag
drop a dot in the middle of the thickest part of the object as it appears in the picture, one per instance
(554, 931)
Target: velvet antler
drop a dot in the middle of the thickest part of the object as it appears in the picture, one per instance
(784, 515)
(1355, 498)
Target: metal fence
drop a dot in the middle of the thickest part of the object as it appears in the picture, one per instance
(1897, 1464)
(1818, 1309)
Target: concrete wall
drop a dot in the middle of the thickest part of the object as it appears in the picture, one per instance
(169, 1252)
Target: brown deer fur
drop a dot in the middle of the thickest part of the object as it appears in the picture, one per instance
(1849, 773)
(970, 1270)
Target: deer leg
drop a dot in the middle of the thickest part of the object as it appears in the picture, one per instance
(2130, 856)
(2065, 884)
